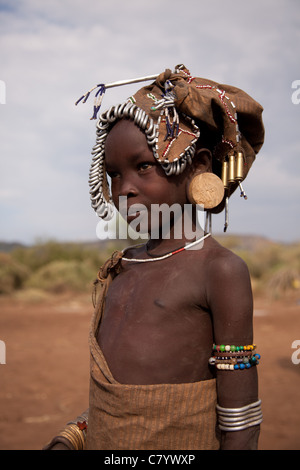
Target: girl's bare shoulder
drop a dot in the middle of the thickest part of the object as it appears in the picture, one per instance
(222, 261)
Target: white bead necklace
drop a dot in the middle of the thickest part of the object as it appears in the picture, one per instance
(186, 247)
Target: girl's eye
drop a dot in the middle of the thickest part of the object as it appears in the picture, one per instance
(145, 166)
(113, 174)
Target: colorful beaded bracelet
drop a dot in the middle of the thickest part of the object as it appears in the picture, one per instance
(222, 355)
(241, 363)
(233, 360)
(232, 348)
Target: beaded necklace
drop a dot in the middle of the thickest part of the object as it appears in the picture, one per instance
(159, 258)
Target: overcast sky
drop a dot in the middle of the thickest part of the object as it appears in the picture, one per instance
(52, 51)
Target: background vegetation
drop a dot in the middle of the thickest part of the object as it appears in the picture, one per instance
(54, 267)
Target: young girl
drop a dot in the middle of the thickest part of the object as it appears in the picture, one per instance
(171, 340)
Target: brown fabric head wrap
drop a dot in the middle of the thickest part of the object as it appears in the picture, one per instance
(175, 111)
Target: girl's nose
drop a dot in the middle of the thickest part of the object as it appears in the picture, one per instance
(126, 191)
(127, 188)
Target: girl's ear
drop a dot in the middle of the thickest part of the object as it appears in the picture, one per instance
(202, 161)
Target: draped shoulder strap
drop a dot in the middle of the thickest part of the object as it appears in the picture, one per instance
(108, 271)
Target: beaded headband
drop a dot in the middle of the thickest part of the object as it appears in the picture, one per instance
(171, 112)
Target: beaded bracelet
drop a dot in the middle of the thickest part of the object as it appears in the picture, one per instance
(232, 348)
(234, 361)
(225, 355)
(222, 365)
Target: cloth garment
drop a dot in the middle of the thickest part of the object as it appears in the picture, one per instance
(139, 417)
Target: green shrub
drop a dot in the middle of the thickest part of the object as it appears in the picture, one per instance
(62, 276)
(53, 266)
(41, 254)
(282, 281)
(13, 275)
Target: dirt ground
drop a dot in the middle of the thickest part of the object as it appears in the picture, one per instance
(45, 380)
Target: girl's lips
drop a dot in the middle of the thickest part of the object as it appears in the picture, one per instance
(132, 211)
(135, 211)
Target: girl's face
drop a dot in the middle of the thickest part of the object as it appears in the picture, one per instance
(136, 175)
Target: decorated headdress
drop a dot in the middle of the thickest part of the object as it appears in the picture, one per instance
(173, 112)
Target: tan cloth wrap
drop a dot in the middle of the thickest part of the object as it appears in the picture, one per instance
(136, 417)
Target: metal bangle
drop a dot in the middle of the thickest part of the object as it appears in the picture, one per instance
(237, 415)
(237, 419)
(240, 417)
(240, 428)
(238, 410)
